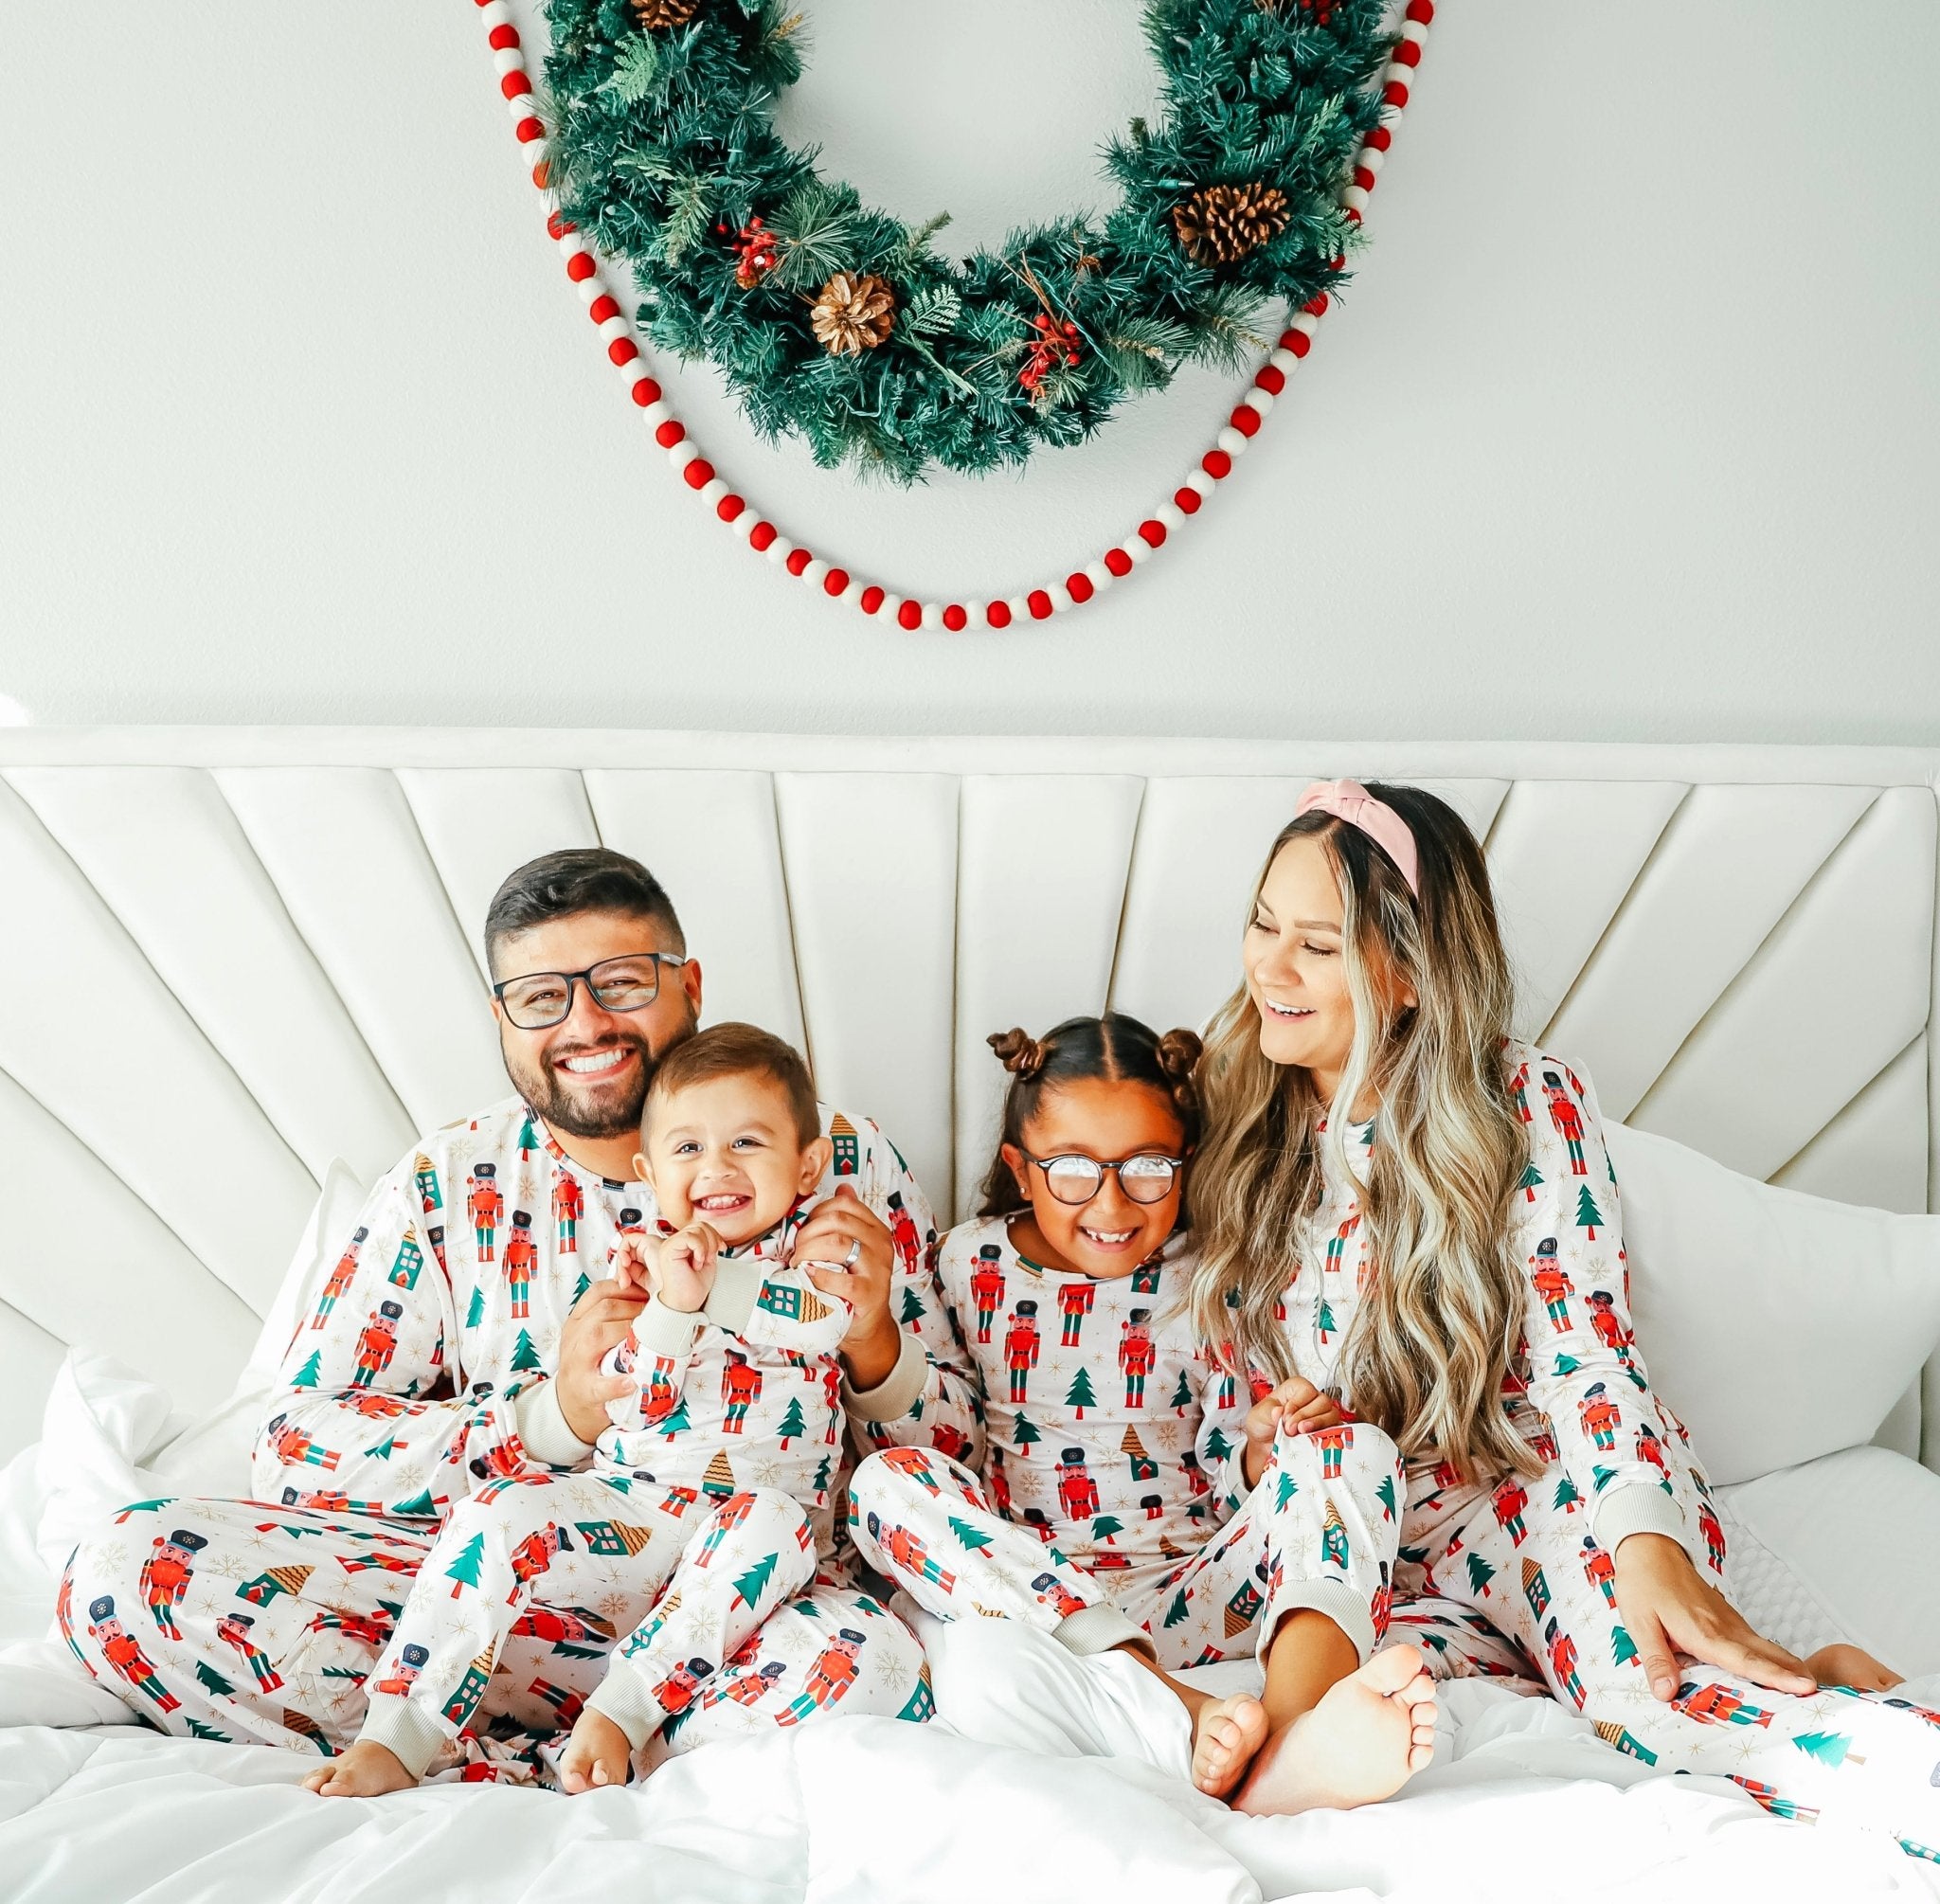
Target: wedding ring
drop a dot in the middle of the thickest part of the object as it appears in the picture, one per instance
(855, 1255)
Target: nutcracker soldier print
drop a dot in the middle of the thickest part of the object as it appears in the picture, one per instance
(1342, 1086)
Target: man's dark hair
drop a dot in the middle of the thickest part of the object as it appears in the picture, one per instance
(579, 879)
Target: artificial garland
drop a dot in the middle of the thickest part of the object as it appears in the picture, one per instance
(844, 326)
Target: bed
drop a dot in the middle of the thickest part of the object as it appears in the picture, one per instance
(242, 965)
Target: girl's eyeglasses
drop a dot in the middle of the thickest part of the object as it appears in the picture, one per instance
(1077, 1179)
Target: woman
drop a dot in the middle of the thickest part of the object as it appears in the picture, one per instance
(1401, 1203)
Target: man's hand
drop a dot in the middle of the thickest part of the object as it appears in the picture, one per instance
(1671, 1612)
(681, 1271)
(599, 1321)
(1295, 1406)
(834, 1228)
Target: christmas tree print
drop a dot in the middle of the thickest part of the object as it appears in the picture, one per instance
(1105, 1525)
(1531, 1181)
(751, 1585)
(464, 1569)
(386, 1448)
(1566, 1496)
(677, 1421)
(1182, 1395)
(212, 1681)
(1177, 1611)
(310, 1373)
(579, 1288)
(1217, 1445)
(475, 1314)
(913, 1310)
(1567, 1365)
(974, 1538)
(791, 1423)
(1833, 1748)
(1479, 1573)
(1623, 1648)
(822, 1472)
(1385, 1495)
(524, 1357)
(1324, 1321)
(198, 1730)
(1079, 1397)
(419, 1507)
(1285, 1489)
(1587, 1215)
(1026, 1433)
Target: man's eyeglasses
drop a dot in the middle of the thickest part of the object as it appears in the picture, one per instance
(630, 984)
(1077, 1179)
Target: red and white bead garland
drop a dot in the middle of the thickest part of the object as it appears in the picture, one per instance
(1082, 585)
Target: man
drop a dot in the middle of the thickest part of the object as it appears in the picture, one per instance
(491, 1373)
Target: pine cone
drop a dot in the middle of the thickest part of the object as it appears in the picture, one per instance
(1223, 223)
(854, 314)
(658, 16)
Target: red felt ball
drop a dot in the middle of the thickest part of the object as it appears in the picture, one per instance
(910, 615)
(1117, 562)
(797, 560)
(645, 391)
(580, 267)
(1271, 379)
(542, 176)
(871, 599)
(1352, 215)
(1079, 587)
(1152, 532)
(1216, 464)
(730, 508)
(1381, 138)
(528, 129)
(669, 434)
(763, 537)
(514, 83)
(603, 307)
(1363, 178)
(1039, 604)
(954, 617)
(1316, 307)
(502, 39)
(1421, 11)
(622, 350)
(698, 474)
(1296, 341)
(1395, 94)
(834, 582)
(998, 613)
(1187, 501)
(1245, 420)
(556, 226)
(1405, 54)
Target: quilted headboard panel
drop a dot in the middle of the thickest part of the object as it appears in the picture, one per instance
(232, 955)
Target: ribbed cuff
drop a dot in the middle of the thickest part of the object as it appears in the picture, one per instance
(543, 1427)
(896, 1393)
(622, 1696)
(662, 1331)
(406, 1728)
(1335, 1598)
(1636, 1507)
(730, 1302)
(1097, 1629)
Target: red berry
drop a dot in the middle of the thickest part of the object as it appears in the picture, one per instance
(669, 434)
(834, 582)
(728, 508)
(871, 599)
(797, 560)
(998, 613)
(603, 307)
(1187, 501)
(698, 474)
(954, 617)
(1079, 587)
(910, 615)
(1245, 420)
(1216, 464)
(761, 536)
(502, 39)
(622, 350)
(1271, 379)
(580, 267)
(645, 391)
(1039, 604)
(1117, 562)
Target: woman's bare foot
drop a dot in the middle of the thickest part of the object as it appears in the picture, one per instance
(597, 1754)
(1841, 1665)
(1226, 1735)
(366, 1770)
(1370, 1733)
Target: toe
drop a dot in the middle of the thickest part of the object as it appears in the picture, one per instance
(1393, 1668)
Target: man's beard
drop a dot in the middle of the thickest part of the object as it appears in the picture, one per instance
(589, 1113)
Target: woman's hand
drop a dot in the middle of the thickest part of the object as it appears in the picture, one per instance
(841, 1228)
(1670, 1610)
(1295, 1406)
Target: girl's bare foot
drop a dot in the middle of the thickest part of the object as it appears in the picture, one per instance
(1226, 1735)
(366, 1770)
(1370, 1733)
(1841, 1666)
(597, 1754)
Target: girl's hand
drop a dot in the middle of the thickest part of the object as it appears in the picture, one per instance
(1295, 1406)
(682, 1274)
(1673, 1613)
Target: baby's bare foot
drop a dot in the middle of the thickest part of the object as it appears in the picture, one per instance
(368, 1770)
(1842, 1665)
(597, 1754)
(1366, 1738)
(1226, 1735)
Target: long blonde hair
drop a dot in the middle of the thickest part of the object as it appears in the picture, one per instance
(1439, 1324)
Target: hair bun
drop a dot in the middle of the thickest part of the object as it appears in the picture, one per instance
(1020, 1055)
(1178, 1053)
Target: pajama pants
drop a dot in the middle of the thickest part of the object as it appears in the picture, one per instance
(1496, 1580)
(284, 1614)
(1318, 1531)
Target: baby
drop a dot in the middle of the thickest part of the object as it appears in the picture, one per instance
(732, 1367)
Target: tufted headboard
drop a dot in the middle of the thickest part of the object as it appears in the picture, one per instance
(231, 954)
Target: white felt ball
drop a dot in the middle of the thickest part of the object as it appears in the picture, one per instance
(1200, 483)
(780, 549)
(1100, 577)
(1231, 442)
(932, 615)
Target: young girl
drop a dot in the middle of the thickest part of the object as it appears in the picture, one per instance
(1408, 1208)
(1105, 1418)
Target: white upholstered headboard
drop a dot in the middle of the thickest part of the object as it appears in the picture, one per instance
(230, 955)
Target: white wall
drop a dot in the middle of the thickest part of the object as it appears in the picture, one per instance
(1627, 429)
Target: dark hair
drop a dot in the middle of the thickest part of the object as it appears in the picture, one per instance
(578, 879)
(1117, 1048)
(737, 1051)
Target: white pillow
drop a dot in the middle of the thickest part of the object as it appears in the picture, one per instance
(1779, 1326)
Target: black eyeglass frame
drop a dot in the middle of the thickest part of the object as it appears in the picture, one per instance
(574, 980)
(1117, 1167)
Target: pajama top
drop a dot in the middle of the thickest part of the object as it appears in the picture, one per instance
(1104, 1420)
(1576, 1386)
(421, 1373)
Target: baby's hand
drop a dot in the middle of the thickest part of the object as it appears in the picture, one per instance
(1295, 1406)
(682, 1275)
(633, 1265)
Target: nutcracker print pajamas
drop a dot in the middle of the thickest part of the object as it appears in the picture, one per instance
(1493, 1578)
(1104, 1518)
(418, 1381)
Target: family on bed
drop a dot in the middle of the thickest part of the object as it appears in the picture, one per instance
(638, 1409)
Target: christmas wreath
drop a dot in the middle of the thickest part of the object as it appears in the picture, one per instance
(850, 329)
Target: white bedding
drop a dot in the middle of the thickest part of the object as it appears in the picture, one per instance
(1522, 1799)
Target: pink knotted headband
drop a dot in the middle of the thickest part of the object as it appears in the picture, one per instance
(1350, 801)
